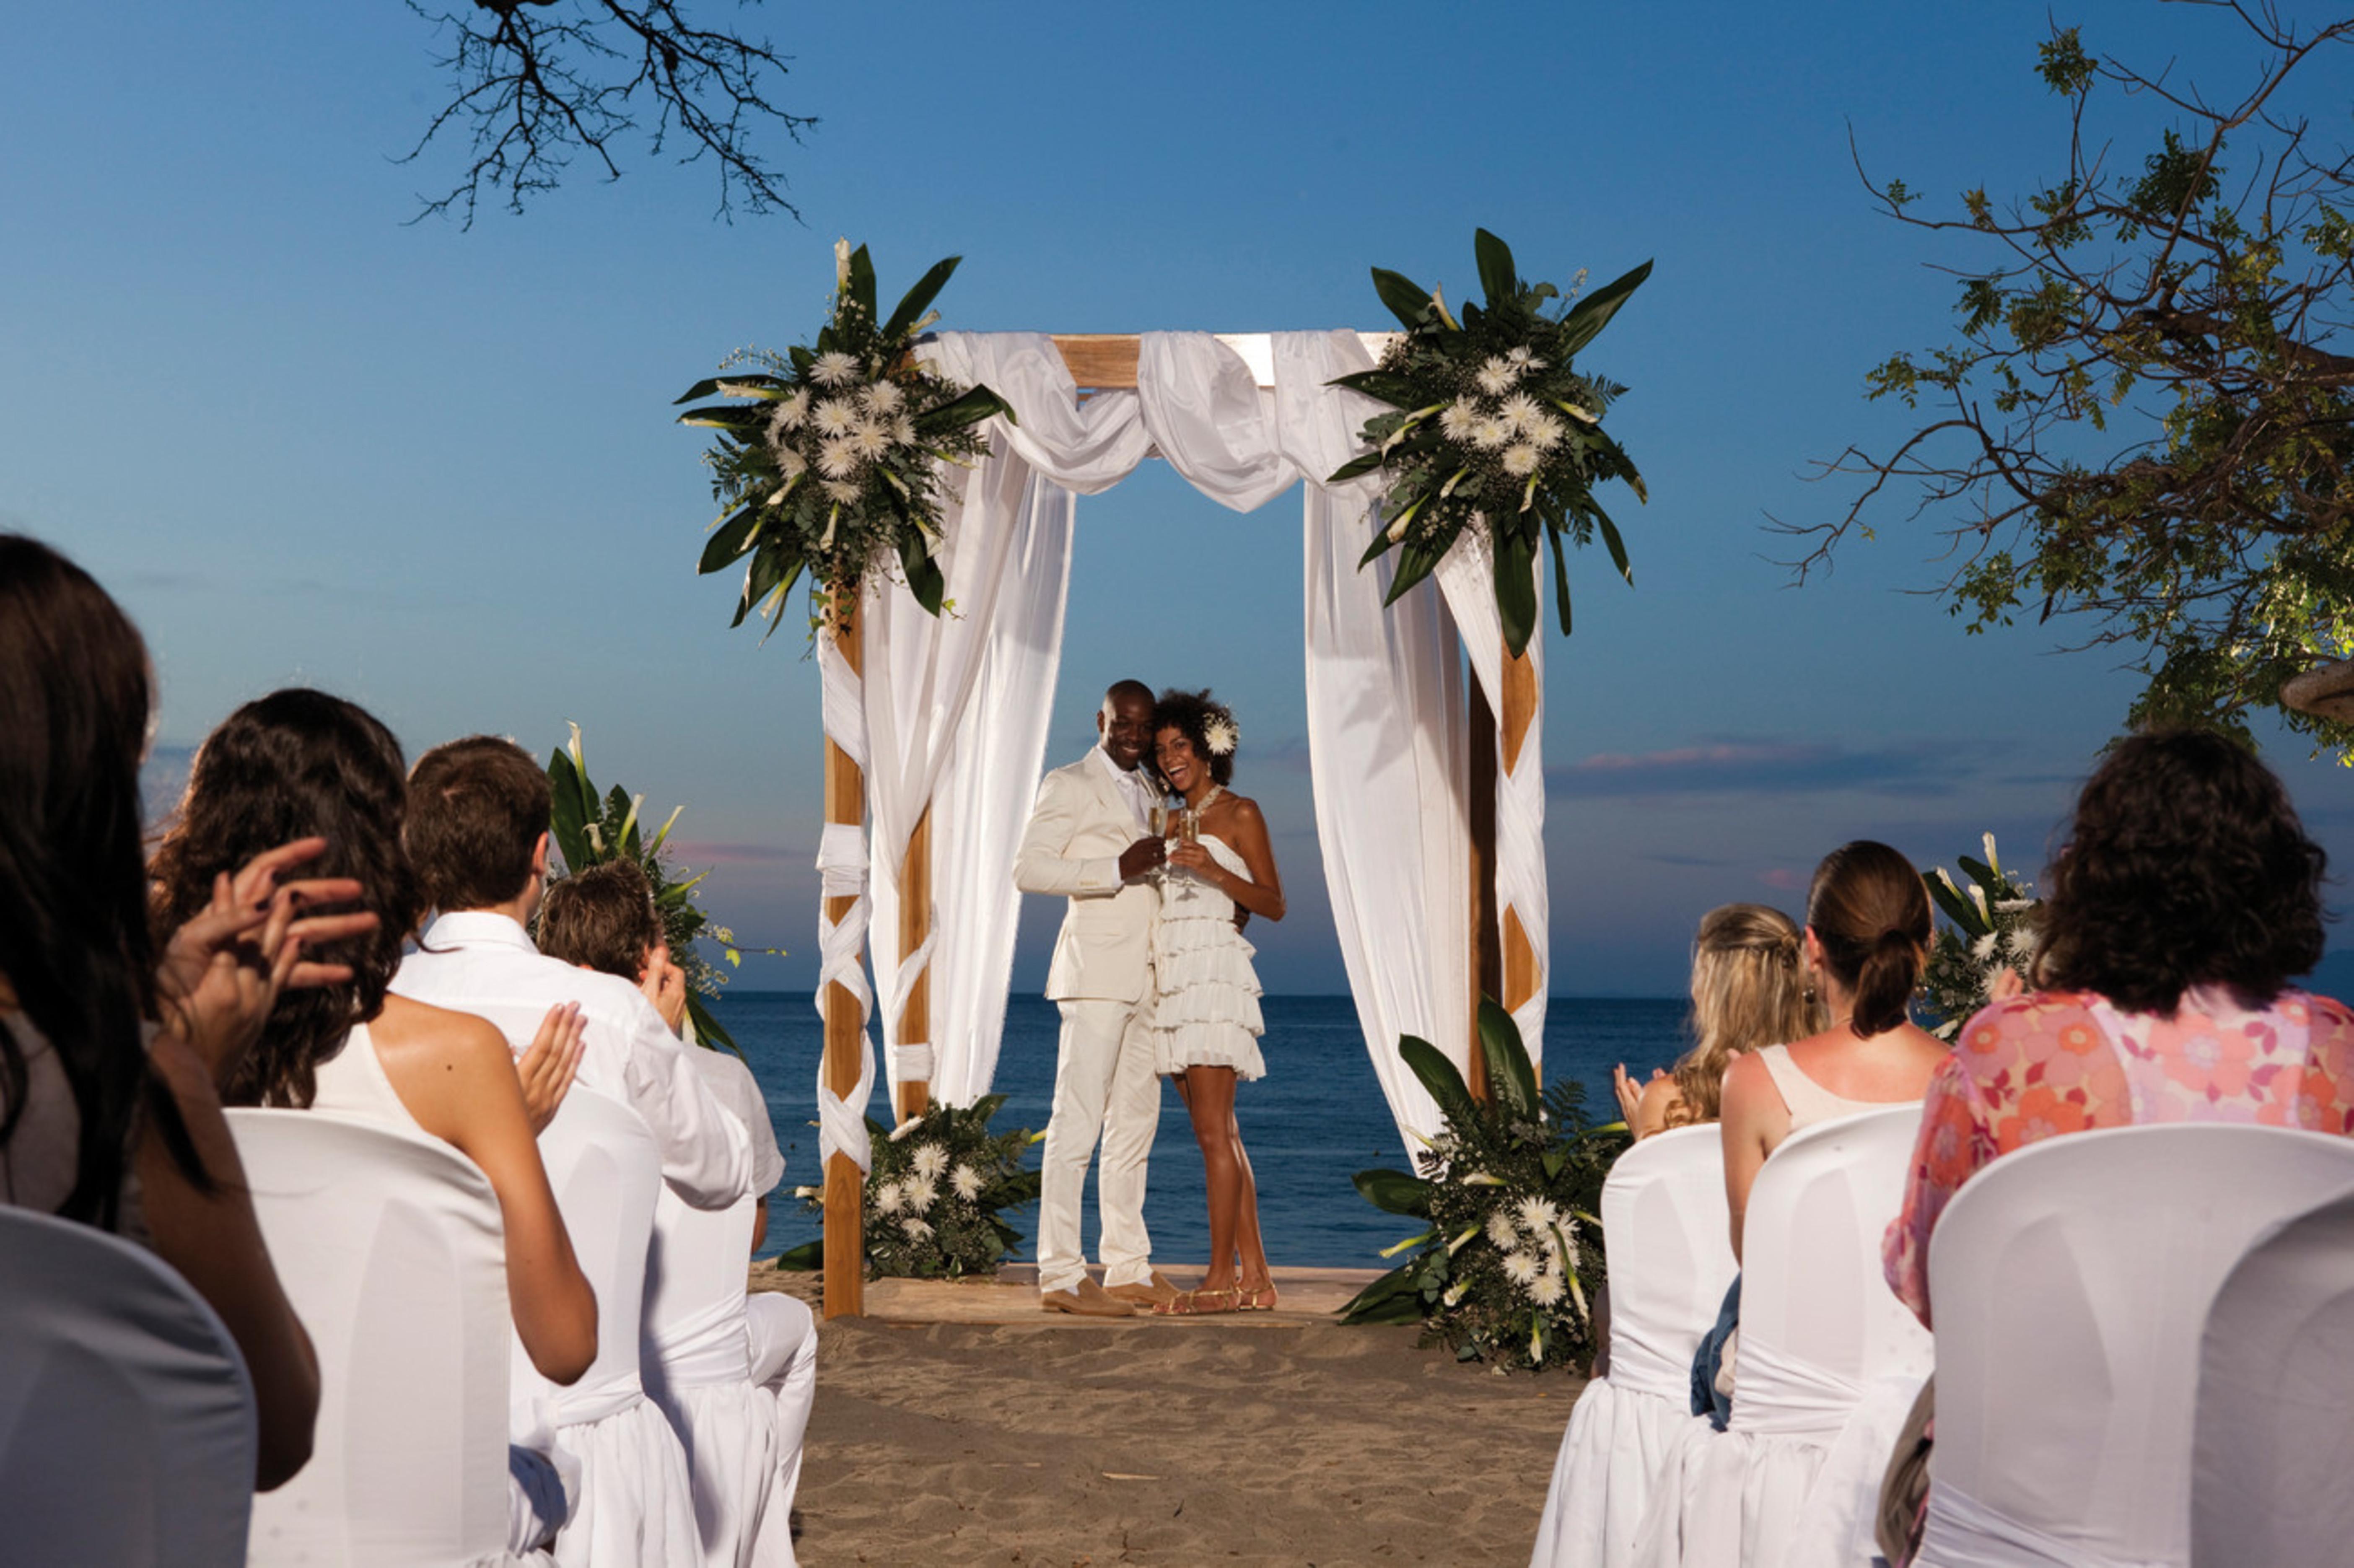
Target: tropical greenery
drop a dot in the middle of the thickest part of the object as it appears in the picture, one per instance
(830, 462)
(1493, 430)
(590, 828)
(937, 1196)
(1508, 1194)
(2146, 422)
(1990, 925)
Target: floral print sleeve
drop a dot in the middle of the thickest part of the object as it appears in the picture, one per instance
(1950, 1148)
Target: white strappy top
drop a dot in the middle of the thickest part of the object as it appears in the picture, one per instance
(353, 1083)
(1809, 1101)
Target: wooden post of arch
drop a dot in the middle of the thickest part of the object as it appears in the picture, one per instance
(915, 925)
(845, 1031)
(1503, 959)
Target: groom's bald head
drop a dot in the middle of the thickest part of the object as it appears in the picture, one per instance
(1125, 722)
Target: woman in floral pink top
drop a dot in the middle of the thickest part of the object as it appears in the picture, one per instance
(2185, 899)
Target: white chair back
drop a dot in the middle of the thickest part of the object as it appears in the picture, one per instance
(605, 1169)
(1665, 1222)
(695, 1288)
(2071, 1281)
(127, 1430)
(1818, 1320)
(391, 1249)
(2273, 1436)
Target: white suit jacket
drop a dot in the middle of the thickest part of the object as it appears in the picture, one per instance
(1072, 847)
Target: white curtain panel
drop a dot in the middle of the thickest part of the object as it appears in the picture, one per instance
(954, 708)
(1467, 576)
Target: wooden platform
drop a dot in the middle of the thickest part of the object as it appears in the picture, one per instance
(1307, 1296)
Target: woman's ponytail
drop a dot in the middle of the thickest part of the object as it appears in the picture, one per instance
(1870, 911)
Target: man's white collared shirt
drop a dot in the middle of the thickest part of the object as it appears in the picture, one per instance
(1130, 784)
(484, 964)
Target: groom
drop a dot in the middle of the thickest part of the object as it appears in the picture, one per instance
(1090, 841)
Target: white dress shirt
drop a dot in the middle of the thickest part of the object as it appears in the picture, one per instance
(484, 964)
(1131, 785)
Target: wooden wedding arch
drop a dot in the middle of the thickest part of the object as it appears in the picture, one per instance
(1503, 962)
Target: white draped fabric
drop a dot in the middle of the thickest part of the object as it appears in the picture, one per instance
(1829, 1363)
(2071, 1281)
(1664, 1220)
(954, 708)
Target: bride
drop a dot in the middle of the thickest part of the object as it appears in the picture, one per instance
(1205, 1015)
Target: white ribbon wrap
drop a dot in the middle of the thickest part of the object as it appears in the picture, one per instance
(842, 868)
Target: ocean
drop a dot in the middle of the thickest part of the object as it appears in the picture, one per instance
(1314, 1121)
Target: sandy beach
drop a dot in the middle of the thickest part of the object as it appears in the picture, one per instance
(1040, 1440)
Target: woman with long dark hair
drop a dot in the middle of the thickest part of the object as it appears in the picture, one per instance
(300, 761)
(109, 1113)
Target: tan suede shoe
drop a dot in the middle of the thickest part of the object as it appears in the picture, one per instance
(1088, 1301)
(1155, 1292)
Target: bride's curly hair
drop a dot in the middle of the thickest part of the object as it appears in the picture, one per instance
(1195, 714)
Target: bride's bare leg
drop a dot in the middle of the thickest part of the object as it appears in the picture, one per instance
(1210, 1099)
(1252, 1262)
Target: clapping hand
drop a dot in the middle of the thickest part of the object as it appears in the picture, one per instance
(221, 971)
(548, 1063)
(1631, 1096)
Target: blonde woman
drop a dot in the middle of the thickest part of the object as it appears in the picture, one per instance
(1748, 991)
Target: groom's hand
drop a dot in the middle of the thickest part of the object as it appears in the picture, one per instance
(1141, 857)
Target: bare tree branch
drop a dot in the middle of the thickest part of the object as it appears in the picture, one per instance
(536, 83)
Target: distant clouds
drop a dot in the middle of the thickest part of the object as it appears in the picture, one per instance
(1762, 767)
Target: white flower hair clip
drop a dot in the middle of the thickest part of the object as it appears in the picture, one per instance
(1222, 735)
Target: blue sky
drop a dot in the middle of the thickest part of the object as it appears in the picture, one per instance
(434, 470)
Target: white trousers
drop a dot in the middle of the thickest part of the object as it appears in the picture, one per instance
(1103, 1087)
(783, 1342)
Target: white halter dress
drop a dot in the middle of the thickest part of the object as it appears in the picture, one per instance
(1205, 994)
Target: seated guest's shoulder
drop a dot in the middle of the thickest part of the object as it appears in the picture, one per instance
(408, 1027)
(2033, 1025)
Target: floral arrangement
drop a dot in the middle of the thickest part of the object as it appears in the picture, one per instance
(1493, 432)
(936, 1195)
(1511, 1251)
(589, 831)
(829, 464)
(1221, 734)
(1990, 927)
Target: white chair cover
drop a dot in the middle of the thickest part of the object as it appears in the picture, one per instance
(2273, 1436)
(783, 1332)
(635, 1503)
(127, 1431)
(697, 1368)
(1664, 1222)
(2071, 1281)
(1829, 1363)
(390, 1247)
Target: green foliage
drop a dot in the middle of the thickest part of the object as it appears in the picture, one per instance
(831, 463)
(590, 829)
(937, 1196)
(1493, 432)
(2148, 419)
(1507, 1194)
(1988, 926)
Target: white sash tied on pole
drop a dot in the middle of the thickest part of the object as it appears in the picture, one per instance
(908, 1060)
(842, 868)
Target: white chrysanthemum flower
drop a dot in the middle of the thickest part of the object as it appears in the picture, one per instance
(790, 464)
(1521, 1268)
(1522, 355)
(1221, 735)
(921, 1195)
(889, 1199)
(1522, 409)
(1520, 460)
(835, 417)
(1538, 1216)
(967, 1182)
(929, 1161)
(882, 398)
(903, 430)
(2020, 944)
(1456, 423)
(1544, 432)
(836, 369)
(1501, 1231)
(843, 492)
(837, 459)
(1498, 377)
(1547, 1288)
(1984, 949)
(870, 441)
(1488, 433)
(788, 417)
(915, 1230)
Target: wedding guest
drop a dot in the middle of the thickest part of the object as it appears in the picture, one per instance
(2186, 896)
(477, 832)
(604, 918)
(109, 1113)
(1749, 989)
(1866, 941)
(303, 761)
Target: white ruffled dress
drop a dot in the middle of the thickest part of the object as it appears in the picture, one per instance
(1205, 1008)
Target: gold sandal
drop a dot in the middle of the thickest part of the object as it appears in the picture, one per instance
(1258, 1298)
(1201, 1303)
